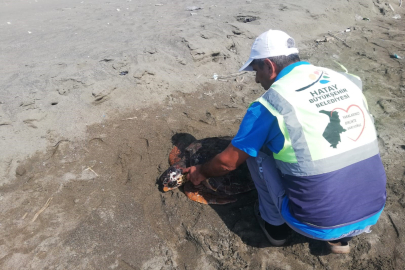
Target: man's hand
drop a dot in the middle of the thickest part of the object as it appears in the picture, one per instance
(194, 174)
(221, 164)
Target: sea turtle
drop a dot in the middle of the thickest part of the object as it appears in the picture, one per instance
(215, 190)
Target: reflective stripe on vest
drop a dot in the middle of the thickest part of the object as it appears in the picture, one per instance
(324, 119)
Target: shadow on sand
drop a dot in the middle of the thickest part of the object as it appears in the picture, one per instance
(239, 216)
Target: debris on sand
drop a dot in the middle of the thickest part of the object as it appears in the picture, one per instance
(193, 8)
(90, 169)
(324, 39)
(233, 75)
(246, 19)
(396, 56)
(42, 209)
(338, 38)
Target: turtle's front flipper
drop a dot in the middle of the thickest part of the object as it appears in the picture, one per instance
(175, 155)
(180, 142)
(204, 195)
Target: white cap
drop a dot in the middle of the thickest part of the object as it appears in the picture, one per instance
(269, 44)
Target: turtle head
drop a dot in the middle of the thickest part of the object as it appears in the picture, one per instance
(172, 178)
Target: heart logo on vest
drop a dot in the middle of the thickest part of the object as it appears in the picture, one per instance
(352, 120)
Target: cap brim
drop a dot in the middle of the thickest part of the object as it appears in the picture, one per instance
(247, 66)
(286, 52)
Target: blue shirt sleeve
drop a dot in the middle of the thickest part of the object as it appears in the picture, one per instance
(259, 127)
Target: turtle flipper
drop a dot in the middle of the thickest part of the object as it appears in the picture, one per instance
(180, 142)
(204, 195)
(175, 155)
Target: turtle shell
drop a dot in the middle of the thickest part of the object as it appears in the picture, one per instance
(215, 190)
(235, 182)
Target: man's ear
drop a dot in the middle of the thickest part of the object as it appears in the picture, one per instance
(272, 68)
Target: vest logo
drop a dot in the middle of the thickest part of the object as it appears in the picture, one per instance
(324, 76)
(351, 121)
(316, 76)
(333, 129)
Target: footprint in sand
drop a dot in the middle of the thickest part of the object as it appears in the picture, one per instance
(66, 86)
(102, 92)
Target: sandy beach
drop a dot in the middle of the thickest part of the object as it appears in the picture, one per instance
(92, 93)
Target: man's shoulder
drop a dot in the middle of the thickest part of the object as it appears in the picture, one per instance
(257, 109)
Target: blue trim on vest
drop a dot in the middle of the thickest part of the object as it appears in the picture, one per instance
(288, 69)
(326, 234)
